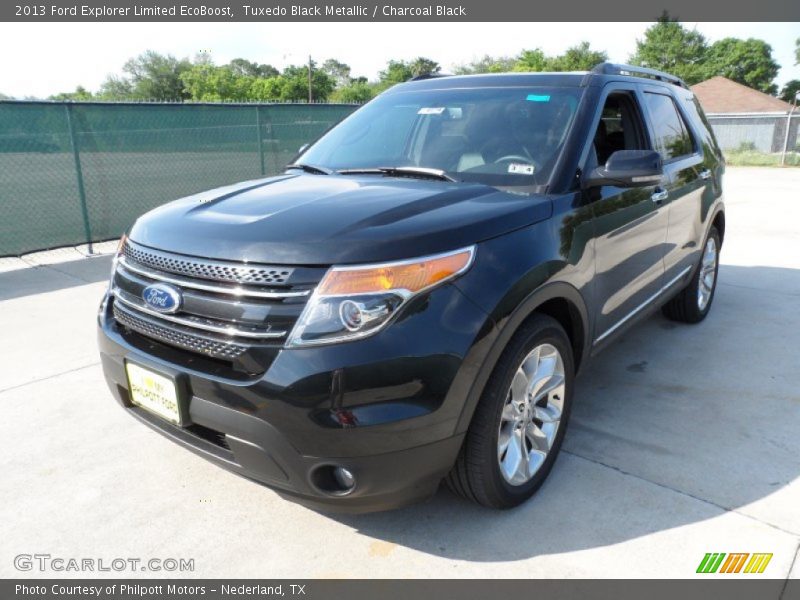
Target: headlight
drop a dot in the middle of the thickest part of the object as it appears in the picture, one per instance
(115, 260)
(120, 248)
(354, 302)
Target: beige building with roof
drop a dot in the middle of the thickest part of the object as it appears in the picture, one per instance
(744, 117)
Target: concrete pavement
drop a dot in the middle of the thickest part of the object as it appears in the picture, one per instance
(684, 440)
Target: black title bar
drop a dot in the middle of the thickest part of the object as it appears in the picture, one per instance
(442, 589)
(400, 11)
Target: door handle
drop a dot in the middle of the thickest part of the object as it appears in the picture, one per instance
(705, 174)
(659, 195)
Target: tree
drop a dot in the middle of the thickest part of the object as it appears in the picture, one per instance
(242, 80)
(789, 91)
(747, 61)
(81, 94)
(531, 61)
(669, 46)
(245, 68)
(156, 76)
(208, 83)
(269, 89)
(338, 71)
(577, 58)
(487, 64)
(357, 92)
(116, 88)
(398, 71)
(294, 87)
(424, 66)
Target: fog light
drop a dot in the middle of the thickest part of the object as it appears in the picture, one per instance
(344, 478)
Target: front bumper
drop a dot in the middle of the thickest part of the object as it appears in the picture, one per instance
(385, 408)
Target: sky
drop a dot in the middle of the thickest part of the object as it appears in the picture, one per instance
(55, 57)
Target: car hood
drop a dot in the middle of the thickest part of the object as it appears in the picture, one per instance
(322, 220)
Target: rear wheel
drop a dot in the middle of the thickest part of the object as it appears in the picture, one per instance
(692, 304)
(519, 424)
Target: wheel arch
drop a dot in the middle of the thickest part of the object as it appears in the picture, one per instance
(718, 221)
(559, 300)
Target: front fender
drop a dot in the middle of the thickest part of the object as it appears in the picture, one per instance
(526, 270)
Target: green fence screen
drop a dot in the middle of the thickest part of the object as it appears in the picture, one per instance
(71, 173)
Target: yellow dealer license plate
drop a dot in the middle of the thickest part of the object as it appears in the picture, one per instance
(153, 392)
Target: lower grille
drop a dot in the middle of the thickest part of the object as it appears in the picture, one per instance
(176, 337)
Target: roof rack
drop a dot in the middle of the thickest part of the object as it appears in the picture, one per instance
(617, 69)
(428, 76)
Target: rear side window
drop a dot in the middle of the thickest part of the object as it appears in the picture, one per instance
(672, 137)
(696, 113)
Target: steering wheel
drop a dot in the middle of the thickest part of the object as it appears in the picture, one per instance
(517, 157)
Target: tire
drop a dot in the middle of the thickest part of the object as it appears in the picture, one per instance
(483, 471)
(690, 305)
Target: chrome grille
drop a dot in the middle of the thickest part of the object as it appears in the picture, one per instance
(231, 311)
(206, 269)
(264, 332)
(208, 286)
(175, 337)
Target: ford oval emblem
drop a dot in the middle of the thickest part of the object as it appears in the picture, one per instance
(162, 298)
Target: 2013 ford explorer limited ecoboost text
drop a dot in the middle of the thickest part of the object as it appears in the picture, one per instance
(410, 301)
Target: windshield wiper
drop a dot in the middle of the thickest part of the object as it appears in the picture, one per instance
(311, 168)
(402, 172)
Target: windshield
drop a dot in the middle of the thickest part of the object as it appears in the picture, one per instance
(503, 137)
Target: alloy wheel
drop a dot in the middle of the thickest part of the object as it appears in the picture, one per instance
(708, 274)
(531, 415)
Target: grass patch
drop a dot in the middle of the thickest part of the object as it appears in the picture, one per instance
(746, 155)
(761, 159)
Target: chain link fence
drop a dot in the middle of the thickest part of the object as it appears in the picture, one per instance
(75, 173)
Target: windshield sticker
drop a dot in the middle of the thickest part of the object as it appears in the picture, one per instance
(538, 98)
(520, 169)
(431, 110)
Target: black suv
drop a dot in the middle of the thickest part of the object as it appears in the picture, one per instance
(410, 301)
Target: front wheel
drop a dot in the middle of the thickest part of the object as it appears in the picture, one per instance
(520, 421)
(692, 304)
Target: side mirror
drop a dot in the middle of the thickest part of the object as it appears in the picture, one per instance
(628, 168)
(303, 148)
